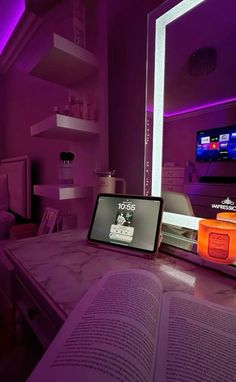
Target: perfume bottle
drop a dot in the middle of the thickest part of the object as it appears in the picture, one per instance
(66, 168)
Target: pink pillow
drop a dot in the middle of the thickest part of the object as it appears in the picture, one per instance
(3, 192)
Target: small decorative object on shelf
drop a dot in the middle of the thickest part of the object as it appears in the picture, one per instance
(66, 168)
(217, 241)
(83, 107)
(104, 173)
(66, 110)
(76, 107)
(106, 183)
(56, 109)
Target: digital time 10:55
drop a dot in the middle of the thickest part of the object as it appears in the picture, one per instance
(126, 206)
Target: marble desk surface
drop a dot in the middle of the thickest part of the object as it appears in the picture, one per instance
(63, 267)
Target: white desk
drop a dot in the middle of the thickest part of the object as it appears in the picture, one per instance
(52, 273)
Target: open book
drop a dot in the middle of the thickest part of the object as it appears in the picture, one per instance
(125, 329)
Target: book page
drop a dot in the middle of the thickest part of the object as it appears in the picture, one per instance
(111, 334)
(197, 341)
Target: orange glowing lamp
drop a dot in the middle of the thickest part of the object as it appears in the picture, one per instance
(217, 241)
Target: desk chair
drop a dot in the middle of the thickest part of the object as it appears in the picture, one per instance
(178, 203)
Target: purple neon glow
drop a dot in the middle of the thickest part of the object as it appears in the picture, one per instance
(200, 107)
(10, 14)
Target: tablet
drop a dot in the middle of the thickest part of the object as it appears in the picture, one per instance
(129, 221)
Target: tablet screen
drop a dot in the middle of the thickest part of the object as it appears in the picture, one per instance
(128, 221)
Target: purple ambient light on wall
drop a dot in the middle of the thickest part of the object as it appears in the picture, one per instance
(11, 12)
(200, 107)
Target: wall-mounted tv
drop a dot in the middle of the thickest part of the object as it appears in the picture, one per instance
(216, 144)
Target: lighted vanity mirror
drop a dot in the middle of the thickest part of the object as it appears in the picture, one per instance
(191, 91)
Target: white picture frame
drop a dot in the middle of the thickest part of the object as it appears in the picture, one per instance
(48, 221)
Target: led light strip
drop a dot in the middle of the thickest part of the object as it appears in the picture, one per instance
(160, 37)
(11, 14)
(206, 106)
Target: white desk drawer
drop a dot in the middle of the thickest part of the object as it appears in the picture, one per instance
(43, 326)
(175, 172)
(172, 188)
(174, 181)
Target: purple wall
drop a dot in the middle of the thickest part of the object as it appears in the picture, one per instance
(29, 100)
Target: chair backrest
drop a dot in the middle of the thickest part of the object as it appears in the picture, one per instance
(177, 203)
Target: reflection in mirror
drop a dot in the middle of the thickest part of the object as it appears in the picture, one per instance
(191, 87)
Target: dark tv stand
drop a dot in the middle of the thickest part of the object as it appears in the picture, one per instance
(218, 179)
(206, 198)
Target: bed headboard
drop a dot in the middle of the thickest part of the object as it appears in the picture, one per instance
(18, 172)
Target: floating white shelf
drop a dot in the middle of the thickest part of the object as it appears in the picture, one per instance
(61, 192)
(63, 62)
(60, 126)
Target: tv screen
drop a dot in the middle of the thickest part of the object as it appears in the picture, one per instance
(216, 144)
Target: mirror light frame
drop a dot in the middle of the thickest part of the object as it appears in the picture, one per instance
(157, 21)
(165, 15)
